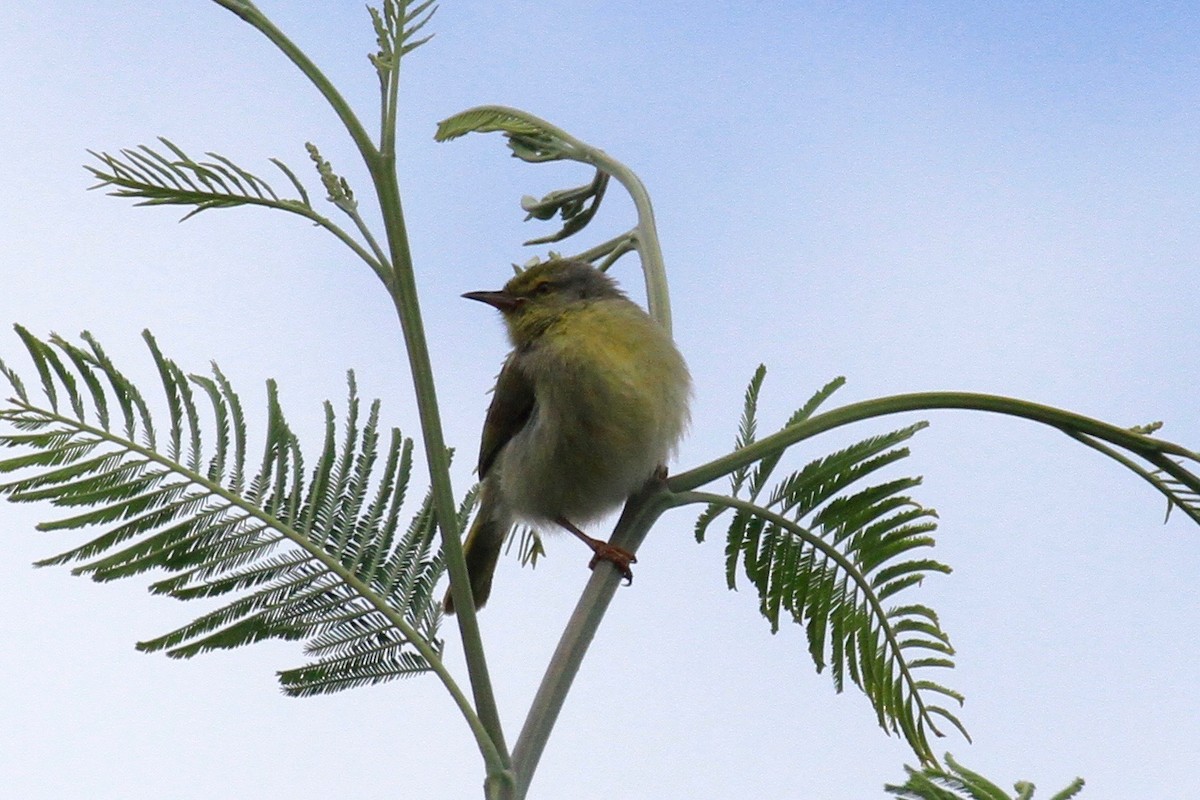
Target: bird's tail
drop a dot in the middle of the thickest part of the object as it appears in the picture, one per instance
(482, 551)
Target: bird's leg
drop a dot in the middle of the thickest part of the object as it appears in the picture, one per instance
(603, 551)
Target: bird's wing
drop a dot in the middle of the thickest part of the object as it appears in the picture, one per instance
(512, 404)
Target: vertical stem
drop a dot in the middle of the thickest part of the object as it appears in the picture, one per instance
(404, 295)
(381, 163)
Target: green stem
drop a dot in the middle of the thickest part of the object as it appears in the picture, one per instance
(658, 297)
(389, 94)
(612, 249)
(401, 284)
(1148, 447)
(251, 15)
(641, 512)
(380, 257)
(404, 295)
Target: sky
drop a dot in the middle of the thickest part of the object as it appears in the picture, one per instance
(993, 197)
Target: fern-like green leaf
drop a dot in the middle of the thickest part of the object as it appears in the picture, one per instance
(155, 178)
(529, 138)
(956, 782)
(528, 542)
(396, 28)
(828, 550)
(488, 119)
(316, 554)
(576, 206)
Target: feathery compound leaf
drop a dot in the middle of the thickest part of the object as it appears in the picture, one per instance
(748, 425)
(747, 433)
(959, 783)
(396, 27)
(577, 206)
(308, 555)
(828, 551)
(488, 119)
(529, 138)
(175, 178)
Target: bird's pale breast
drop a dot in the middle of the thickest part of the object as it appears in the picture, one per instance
(611, 403)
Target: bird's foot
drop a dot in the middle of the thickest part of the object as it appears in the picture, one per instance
(619, 557)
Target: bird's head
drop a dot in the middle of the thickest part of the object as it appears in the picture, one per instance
(537, 297)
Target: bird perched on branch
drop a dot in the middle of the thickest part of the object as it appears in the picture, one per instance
(589, 404)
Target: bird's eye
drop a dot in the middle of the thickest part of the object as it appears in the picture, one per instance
(545, 287)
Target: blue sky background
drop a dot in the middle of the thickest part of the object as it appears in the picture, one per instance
(989, 197)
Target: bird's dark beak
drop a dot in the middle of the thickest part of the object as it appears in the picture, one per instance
(501, 300)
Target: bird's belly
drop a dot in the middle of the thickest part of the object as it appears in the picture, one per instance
(545, 475)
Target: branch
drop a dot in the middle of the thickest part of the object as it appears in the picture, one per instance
(1156, 451)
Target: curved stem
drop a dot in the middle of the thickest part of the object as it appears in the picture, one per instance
(380, 259)
(251, 15)
(1148, 447)
(645, 234)
(612, 249)
(376, 261)
(658, 297)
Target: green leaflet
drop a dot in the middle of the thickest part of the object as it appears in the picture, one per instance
(314, 554)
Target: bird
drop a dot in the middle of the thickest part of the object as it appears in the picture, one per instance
(588, 406)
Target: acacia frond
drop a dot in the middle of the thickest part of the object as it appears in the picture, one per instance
(960, 783)
(528, 138)
(178, 179)
(488, 119)
(396, 27)
(576, 206)
(315, 554)
(830, 552)
(175, 178)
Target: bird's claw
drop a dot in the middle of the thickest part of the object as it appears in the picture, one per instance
(619, 557)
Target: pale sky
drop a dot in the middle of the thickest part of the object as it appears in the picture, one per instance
(997, 197)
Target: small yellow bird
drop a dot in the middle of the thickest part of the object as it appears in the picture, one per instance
(589, 404)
